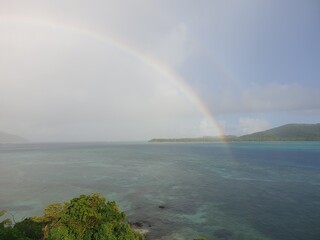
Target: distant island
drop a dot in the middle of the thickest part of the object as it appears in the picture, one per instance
(288, 132)
(10, 138)
(198, 139)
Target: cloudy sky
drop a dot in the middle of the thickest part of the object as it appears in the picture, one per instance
(83, 70)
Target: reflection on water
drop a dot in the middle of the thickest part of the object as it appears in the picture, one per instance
(246, 190)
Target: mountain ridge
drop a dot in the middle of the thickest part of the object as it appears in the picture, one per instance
(11, 138)
(291, 132)
(287, 132)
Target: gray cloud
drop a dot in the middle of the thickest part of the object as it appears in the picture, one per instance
(59, 84)
(267, 98)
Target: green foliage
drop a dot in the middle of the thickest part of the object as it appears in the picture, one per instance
(87, 217)
(7, 221)
(30, 228)
(7, 232)
(2, 213)
(52, 213)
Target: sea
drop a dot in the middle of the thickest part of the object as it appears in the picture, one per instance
(228, 191)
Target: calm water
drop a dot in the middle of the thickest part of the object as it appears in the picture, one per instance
(255, 190)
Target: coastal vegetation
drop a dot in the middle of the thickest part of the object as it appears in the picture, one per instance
(86, 217)
(288, 132)
(197, 139)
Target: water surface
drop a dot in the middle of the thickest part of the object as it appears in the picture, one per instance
(254, 190)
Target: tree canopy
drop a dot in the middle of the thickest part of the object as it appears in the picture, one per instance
(88, 217)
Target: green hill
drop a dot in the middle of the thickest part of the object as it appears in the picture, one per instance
(289, 132)
(10, 138)
(199, 139)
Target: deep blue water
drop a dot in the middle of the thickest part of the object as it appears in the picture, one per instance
(255, 190)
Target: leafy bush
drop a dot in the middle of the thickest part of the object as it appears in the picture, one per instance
(30, 228)
(86, 217)
(7, 232)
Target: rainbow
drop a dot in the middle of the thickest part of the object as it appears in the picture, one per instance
(159, 67)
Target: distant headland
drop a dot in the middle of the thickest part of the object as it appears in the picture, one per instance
(10, 138)
(288, 132)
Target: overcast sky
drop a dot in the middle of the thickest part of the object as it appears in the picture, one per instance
(90, 70)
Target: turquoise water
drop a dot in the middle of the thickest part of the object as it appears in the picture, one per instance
(254, 190)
